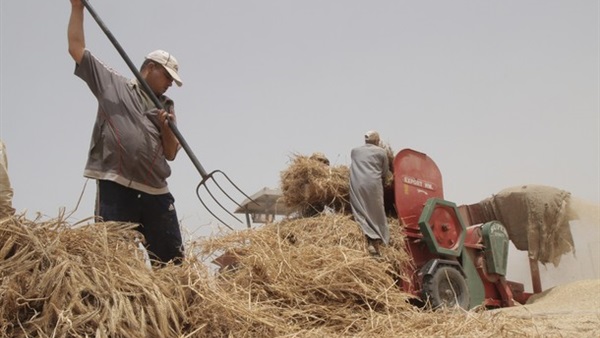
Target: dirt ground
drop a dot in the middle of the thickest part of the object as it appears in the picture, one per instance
(569, 310)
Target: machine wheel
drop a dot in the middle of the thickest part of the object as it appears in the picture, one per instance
(446, 287)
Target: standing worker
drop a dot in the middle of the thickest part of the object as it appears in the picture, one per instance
(368, 170)
(131, 143)
(6, 191)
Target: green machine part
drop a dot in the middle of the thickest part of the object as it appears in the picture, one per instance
(444, 212)
(476, 288)
(495, 239)
(474, 282)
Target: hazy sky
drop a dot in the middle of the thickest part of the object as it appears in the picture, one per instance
(498, 93)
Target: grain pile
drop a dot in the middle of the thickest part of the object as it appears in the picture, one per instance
(570, 310)
(298, 278)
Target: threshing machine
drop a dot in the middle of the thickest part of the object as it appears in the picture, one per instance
(453, 262)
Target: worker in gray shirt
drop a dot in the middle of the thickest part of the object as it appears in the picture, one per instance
(131, 143)
(368, 170)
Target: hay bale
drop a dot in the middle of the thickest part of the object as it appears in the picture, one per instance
(309, 186)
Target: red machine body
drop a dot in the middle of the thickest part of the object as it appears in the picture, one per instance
(437, 236)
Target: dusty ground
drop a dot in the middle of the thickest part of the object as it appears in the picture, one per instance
(569, 310)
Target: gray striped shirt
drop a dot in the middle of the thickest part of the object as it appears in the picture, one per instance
(126, 145)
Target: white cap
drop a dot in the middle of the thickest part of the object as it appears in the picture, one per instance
(168, 61)
(372, 137)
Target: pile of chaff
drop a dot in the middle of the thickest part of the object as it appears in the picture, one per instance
(297, 278)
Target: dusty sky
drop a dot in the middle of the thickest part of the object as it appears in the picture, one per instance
(498, 93)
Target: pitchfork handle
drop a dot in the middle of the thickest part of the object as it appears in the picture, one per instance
(146, 88)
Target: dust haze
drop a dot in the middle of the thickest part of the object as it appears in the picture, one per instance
(582, 263)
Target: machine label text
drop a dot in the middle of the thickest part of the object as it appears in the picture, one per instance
(418, 182)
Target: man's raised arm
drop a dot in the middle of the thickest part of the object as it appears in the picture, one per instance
(75, 31)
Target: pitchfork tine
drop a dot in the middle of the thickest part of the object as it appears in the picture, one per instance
(208, 209)
(233, 184)
(212, 178)
(215, 199)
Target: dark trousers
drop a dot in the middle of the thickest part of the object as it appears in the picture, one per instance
(155, 215)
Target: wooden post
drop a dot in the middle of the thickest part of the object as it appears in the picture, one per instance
(536, 281)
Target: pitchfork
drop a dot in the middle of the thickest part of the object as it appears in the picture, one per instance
(206, 177)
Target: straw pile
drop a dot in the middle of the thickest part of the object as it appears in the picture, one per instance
(297, 278)
(308, 186)
(80, 281)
